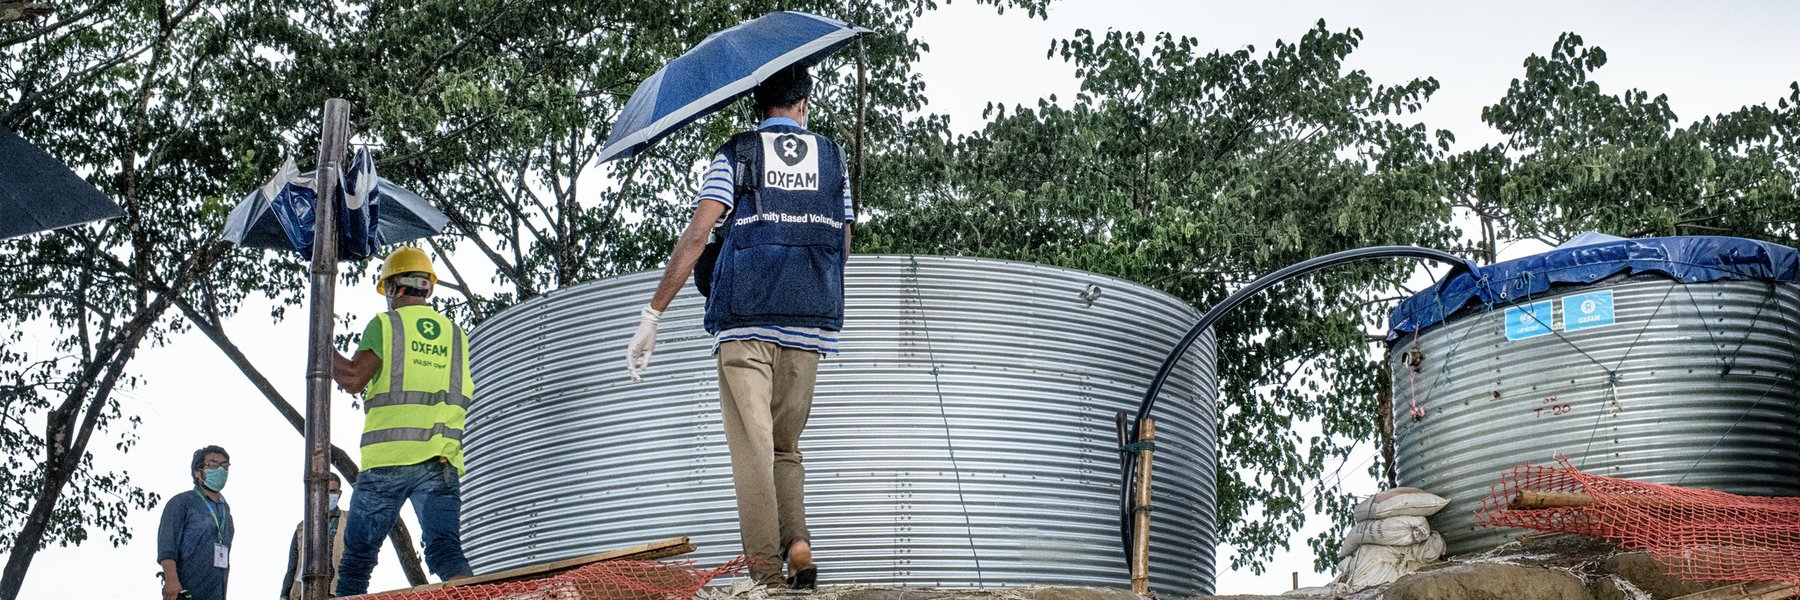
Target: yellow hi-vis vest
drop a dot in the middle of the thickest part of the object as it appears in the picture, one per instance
(419, 398)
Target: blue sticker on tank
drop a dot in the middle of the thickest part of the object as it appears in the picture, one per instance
(1529, 321)
(1587, 311)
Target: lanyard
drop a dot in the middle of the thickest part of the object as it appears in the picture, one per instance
(218, 526)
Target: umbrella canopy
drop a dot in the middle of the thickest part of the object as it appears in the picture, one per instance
(372, 212)
(39, 193)
(725, 66)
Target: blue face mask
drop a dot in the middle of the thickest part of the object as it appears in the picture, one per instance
(331, 499)
(215, 478)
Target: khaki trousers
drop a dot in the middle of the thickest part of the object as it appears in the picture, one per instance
(765, 396)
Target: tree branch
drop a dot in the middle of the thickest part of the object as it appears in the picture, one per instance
(474, 303)
(473, 232)
(42, 31)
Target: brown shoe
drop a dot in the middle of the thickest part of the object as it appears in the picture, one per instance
(803, 574)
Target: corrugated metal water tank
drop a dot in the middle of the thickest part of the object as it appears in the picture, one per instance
(1667, 360)
(964, 437)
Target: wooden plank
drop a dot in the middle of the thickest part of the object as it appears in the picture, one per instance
(1761, 590)
(651, 551)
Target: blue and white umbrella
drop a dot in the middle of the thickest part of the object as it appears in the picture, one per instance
(373, 213)
(725, 66)
(39, 193)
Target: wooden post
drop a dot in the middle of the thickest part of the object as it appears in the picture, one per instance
(1296, 581)
(334, 137)
(1140, 517)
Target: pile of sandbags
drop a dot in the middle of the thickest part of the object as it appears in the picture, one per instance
(1390, 539)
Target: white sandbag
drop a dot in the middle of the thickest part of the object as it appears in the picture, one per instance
(1400, 502)
(1428, 551)
(1392, 531)
(1375, 565)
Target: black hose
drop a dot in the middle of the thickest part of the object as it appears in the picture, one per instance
(1128, 460)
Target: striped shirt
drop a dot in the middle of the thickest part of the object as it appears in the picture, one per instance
(718, 187)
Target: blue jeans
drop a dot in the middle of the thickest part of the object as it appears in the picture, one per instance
(435, 491)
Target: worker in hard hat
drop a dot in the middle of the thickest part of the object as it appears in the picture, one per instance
(774, 307)
(412, 365)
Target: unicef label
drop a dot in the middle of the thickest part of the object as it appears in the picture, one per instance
(1587, 311)
(1529, 321)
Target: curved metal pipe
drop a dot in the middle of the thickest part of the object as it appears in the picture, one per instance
(1128, 460)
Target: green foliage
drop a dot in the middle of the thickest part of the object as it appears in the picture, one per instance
(154, 102)
(1579, 159)
(1195, 172)
(499, 108)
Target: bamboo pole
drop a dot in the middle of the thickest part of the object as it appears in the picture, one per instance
(1532, 499)
(1140, 516)
(334, 136)
(1535, 499)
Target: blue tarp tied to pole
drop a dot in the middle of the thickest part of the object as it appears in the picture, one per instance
(372, 212)
(1592, 257)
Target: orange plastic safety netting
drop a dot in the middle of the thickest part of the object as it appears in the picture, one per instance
(613, 580)
(1698, 535)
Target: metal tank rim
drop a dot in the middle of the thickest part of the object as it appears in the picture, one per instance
(515, 310)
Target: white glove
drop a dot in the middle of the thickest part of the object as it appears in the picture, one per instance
(637, 355)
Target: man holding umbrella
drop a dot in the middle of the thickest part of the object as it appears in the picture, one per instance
(775, 307)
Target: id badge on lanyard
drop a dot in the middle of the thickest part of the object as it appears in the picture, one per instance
(221, 552)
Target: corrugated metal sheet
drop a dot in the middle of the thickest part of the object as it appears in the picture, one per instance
(964, 437)
(1706, 396)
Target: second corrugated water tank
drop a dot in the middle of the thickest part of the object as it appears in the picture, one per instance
(1666, 360)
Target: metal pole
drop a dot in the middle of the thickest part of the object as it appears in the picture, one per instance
(1140, 518)
(334, 134)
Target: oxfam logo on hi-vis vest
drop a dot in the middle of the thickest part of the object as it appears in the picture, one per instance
(789, 161)
(429, 329)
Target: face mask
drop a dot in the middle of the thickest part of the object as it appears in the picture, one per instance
(215, 478)
(331, 499)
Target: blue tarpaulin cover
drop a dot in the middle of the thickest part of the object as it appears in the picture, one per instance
(1592, 257)
(372, 212)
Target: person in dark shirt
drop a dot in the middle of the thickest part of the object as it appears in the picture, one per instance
(193, 542)
(290, 584)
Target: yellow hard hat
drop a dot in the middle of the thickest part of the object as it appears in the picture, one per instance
(405, 260)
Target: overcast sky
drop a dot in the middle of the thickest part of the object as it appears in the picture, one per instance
(1708, 57)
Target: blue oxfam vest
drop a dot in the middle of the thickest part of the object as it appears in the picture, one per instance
(782, 264)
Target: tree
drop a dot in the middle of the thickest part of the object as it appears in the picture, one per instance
(127, 92)
(1194, 172)
(1579, 159)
